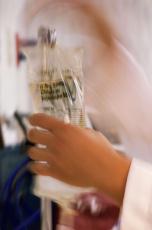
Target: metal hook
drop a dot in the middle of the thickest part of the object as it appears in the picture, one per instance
(43, 35)
(47, 36)
(52, 36)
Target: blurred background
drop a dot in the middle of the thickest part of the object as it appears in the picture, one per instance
(19, 23)
(20, 19)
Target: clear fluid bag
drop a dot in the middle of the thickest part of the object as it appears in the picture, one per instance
(56, 84)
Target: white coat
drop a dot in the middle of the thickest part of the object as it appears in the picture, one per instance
(119, 99)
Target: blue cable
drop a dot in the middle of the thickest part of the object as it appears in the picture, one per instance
(17, 199)
(8, 184)
(34, 216)
(29, 221)
(6, 192)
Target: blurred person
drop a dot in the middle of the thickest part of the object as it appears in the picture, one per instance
(125, 180)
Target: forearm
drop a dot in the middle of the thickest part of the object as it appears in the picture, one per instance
(114, 176)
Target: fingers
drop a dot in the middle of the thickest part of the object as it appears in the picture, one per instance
(46, 122)
(40, 168)
(45, 170)
(39, 154)
(38, 136)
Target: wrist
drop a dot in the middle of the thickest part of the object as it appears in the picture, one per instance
(114, 177)
(121, 178)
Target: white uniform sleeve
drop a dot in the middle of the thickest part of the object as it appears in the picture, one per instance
(137, 204)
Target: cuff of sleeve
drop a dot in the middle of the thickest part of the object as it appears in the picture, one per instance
(137, 203)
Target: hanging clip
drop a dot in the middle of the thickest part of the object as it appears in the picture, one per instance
(47, 36)
(52, 37)
(43, 35)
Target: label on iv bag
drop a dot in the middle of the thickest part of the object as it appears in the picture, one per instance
(56, 90)
(62, 98)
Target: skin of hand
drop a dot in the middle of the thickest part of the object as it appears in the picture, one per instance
(77, 156)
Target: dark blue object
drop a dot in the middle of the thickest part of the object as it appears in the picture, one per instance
(19, 208)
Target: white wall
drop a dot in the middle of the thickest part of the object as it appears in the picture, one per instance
(10, 74)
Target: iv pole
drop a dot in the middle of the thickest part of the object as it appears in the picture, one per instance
(46, 39)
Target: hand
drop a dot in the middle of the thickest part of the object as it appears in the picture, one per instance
(77, 156)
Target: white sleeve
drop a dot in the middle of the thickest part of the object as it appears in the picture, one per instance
(137, 204)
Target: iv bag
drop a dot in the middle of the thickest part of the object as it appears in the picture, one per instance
(56, 81)
(55, 76)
